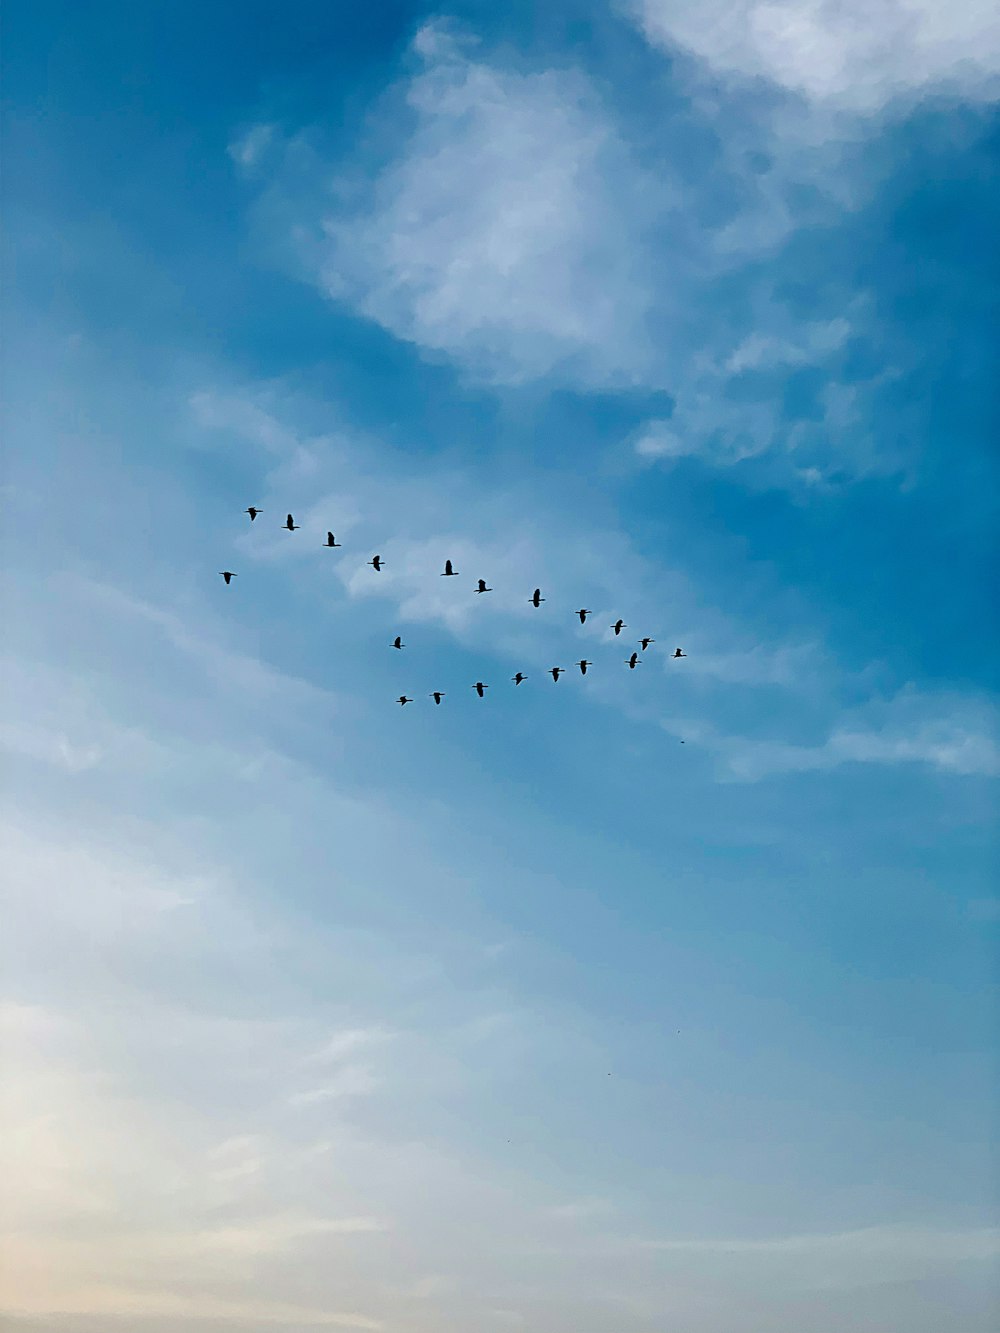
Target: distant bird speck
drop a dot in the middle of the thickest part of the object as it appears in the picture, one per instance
(678, 653)
(482, 586)
(644, 643)
(290, 524)
(583, 664)
(633, 661)
(398, 642)
(536, 598)
(253, 511)
(448, 572)
(519, 677)
(556, 672)
(480, 688)
(228, 575)
(437, 695)
(376, 563)
(403, 700)
(618, 626)
(331, 540)
(583, 614)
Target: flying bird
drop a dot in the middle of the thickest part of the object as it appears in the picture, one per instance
(376, 563)
(482, 586)
(644, 643)
(618, 626)
(290, 523)
(331, 540)
(437, 695)
(253, 511)
(398, 642)
(480, 688)
(678, 653)
(583, 614)
(519, 677)
(583, 664)
(403, 700)
(632, 661)
(448, 572)
(556, 672)
(536, 598)
(228, 575)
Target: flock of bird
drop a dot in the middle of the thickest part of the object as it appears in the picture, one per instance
(536, 599)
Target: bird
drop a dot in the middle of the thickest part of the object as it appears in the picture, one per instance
(644, 643)
(448, 572)
(583, 613)
(536, 598)
(556, 672)
(678, 653)
(228, 575)
(403, 700)
(583, 664)
(437, 695)
(331, 540)
(519, 677)
(482, 586)
(290, 523)
(376, 563)
(633, 661)
(618, 626)
(480, 688)
(253, 511)
(398, 642)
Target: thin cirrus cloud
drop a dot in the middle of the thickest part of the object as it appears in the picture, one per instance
(504, 231)
(727, 660)
(854, 55)
(507, 224)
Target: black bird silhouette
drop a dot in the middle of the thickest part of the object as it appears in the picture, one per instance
(290, 523)
(331, 540)
(482, 586)
(536, 598)
(376, 563)
(583, 664)
(480, 688)
(556, 672)
(632, 661)
(398, 642)
(618, 626)
(228, 575)
(644, 643)
(448, 572)
(253, 511)
(519, 677)
(583, 614)
(403, 700)
(437, 695)
(678, 653)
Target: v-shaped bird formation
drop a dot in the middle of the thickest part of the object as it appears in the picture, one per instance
(450, 572)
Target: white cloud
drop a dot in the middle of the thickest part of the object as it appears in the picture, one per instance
(855, 54)
(506, 230)
(248, 149)
(951, 734)
(760, 350)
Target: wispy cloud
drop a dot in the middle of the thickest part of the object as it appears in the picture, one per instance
(506, 230)
(855, 55)
(955, 735)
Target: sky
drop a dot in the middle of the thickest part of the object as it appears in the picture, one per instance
(646, 1000)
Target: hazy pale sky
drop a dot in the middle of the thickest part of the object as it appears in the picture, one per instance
(649, 1000)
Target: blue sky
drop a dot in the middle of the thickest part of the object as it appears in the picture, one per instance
(655, 998)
